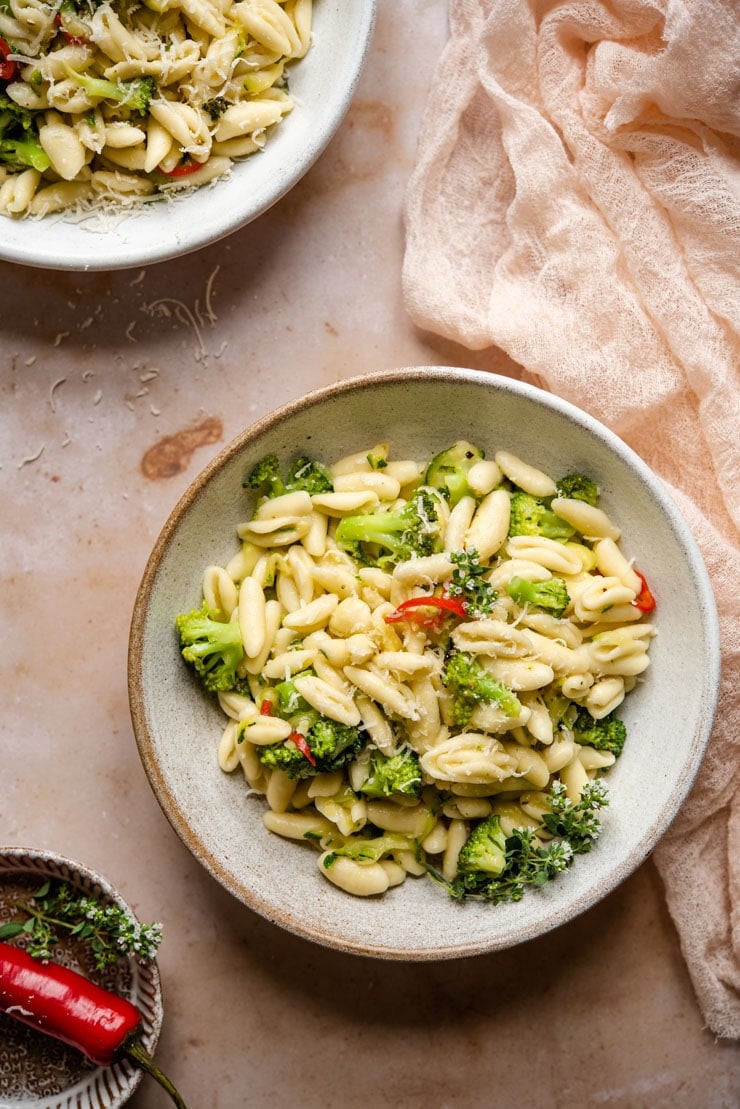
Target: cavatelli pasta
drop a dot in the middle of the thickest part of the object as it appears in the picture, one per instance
(414, 642)
(120, 103)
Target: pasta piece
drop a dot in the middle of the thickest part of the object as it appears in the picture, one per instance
(527, 477)
(590, 521)
(361, 881)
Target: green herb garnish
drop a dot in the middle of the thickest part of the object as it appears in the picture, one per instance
(54, 910)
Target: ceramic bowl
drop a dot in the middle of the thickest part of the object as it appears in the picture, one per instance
(323, 84)
(419, 411)
(36, 1070)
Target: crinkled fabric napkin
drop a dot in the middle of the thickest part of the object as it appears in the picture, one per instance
(575, 203)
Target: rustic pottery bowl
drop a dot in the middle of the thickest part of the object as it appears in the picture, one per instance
(420, 411)
(36, 1070)
(323, 83)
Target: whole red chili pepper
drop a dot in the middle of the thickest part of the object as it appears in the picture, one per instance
(406, 609)
(7, 67)
(71, 1008)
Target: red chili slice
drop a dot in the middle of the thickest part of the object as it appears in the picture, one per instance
(645, 600)
(183, 169)
(407, 609)
(7, 68)
(302, 745)
(266, 708)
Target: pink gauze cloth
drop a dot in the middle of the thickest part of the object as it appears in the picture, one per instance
(575, 202)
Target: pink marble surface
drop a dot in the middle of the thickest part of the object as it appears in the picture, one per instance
(127, 383)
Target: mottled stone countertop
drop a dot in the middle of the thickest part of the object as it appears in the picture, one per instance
(113, 398)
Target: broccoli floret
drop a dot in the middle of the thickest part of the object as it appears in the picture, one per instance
(308, 475)
(484, 851)
(532, 516)
(526, 860)
(468, 581)
(398, 774)
(332, 746)
(19, 137)
(471, 684)
(265, 476)
(448, 470)
(551, 595)
(578, 487)
(134, 94)
(303, 474)
(213, 648)
(409, 532)
(607, 734)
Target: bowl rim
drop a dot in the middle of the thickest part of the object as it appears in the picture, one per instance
(118, 1081)
(364, 381)
(91, 254)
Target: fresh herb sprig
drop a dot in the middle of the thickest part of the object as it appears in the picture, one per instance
(55, 910)
(575, 827)
(469, 583)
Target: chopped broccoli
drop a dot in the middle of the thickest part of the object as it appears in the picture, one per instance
(290, 701)
(448, 470)
(468, 581)
(134, 94)
(471, 684)
(408, 532)
(398, 774)
(303, 474)
(366, 850)
(213, 648)
(607, 734)
(19, 137)
(378, 457)
(332, 745)
(561, 709)
(484, 851)
(578, 487)
(532, 516)
(551, 595)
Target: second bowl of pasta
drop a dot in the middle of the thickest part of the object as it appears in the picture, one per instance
(405, 652)
(134, 134)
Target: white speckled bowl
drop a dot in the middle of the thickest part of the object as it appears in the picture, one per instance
(322, 83)
(420, 411)
(36, 1070)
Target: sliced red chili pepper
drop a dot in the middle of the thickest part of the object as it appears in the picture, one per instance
(407, 609)
(266, 708)
(183, 169)
(302, 745)
(644, 600)
(7, 68)
(71, 1008)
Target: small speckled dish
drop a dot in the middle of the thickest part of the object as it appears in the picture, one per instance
(322, 83)
(419, 411)
(36, 1070)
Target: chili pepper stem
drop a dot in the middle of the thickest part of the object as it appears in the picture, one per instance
(139, 1055)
